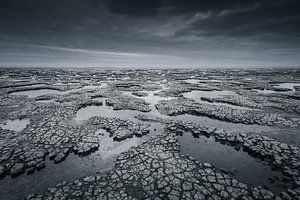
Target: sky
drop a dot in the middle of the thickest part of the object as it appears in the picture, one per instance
(149, 33)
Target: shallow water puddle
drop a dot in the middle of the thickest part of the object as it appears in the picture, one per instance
(192, 81)
(196, 96)
(264, 91)
(195, 81)
(36, 93)
(15, 125)
(239, 163)
(290, 86)
(107, 111)
(45, 101)
(277, 133)
(109, 148)
(88, 87)
(152, 100)
(68, 170)
(34, 85)
(39, 92)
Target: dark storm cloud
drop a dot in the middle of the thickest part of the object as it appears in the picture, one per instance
(208, 32)
(146, 7)
(281, 18)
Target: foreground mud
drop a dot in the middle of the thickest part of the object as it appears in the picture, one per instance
(50, 118)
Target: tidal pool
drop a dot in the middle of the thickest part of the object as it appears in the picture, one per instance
(88, 87)
(238, 163)
(45, 101)
(36, 93)
(152, 100)
(196, 96)
(32, 93)
(192, 81)
(72, 168)
(288, 86)
(104, 111)
(264, 91)
(15, 125)
(34, 85)
(200, 81)
(277, 133)
(108, 111)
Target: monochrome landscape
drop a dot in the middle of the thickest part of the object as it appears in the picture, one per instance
(149, 133)
(149, 99)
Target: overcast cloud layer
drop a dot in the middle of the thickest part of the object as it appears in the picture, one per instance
(151, 33)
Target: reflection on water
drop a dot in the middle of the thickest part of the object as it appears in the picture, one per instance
(240, 164)
(45, 101)
(104, 111)
(278, 133)
(152, 99)
(110, 148)
(290, 86)
(70, 169)
(36, 93)
(107, 111)
(15, 125)
(88, 87)
(192, 81)
(39, 92)
(195, 81)
(197, 95)
(265, 91)
(244, 167)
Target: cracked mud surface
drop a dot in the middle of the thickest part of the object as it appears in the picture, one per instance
(120, 134)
